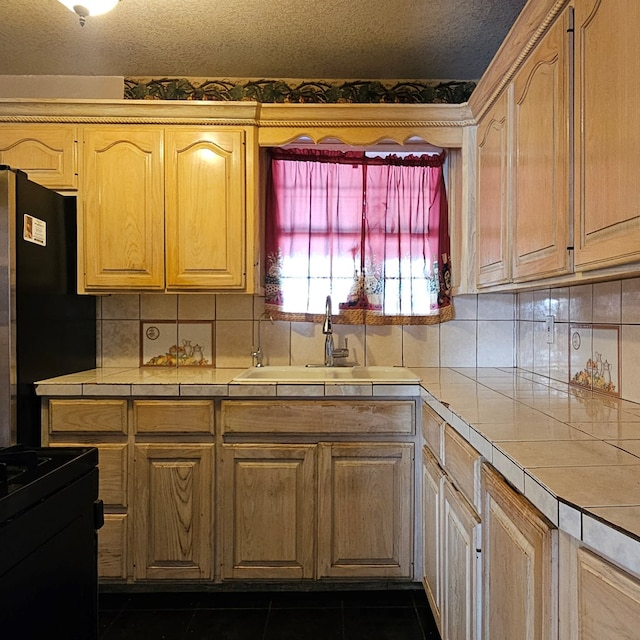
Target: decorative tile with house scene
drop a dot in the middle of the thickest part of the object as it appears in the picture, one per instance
(170, 344)
(594, 357)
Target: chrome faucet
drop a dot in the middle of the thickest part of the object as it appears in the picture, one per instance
(330, 352)
(256, 352)
(327, 330)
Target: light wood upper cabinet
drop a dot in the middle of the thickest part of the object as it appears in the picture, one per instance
(47, 153)
(205, 225)
(541, 199)
(173, 511)
(607, 133)
(164, 209)
(523, 197)
(492, 205)
(519, 547)
(122, 204)
(365, 505)
(574, 150)
(269, 508)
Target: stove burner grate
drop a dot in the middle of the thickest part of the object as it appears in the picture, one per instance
(18, 467)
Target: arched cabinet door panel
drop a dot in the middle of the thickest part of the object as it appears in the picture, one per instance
(205, 221)
(541, 202)
(607, 134)
(122, 202)
(46, 152)
(492, 198)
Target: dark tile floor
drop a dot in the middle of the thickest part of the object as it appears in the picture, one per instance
(319, 615)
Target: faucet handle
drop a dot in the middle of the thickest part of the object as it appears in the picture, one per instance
(342, 352)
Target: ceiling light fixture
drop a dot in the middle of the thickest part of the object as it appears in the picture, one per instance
(86, 8)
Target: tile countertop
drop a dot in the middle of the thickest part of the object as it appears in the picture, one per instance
(211, 382)
(573, 453)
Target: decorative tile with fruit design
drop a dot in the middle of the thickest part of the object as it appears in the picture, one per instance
(594, 357)
(171, 344)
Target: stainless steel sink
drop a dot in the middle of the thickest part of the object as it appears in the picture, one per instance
(348, 375)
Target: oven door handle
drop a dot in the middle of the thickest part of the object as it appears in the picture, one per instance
(98, 514)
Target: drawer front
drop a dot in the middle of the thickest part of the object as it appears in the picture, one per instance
(112, 465)
(112, 475)
(167, 416)
(112, 547)
(462, 462)
(432, 430)
(318, 417)
(87, 416)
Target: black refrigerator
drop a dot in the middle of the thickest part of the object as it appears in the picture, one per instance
(46, 328)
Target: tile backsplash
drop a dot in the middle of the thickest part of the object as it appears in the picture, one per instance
(613, 305)
(482, 334)
(489, 330)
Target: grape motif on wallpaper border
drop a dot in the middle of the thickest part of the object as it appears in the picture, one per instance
(287, 91)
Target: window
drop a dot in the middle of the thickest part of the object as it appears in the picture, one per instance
(372, 232)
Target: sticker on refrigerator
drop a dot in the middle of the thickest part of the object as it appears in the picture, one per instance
(35, 230)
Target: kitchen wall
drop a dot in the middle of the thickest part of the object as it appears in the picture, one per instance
(72, 87)
(489, 330)
(609, 305)
(482, 333)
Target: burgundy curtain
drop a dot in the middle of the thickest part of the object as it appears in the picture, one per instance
(372, 232)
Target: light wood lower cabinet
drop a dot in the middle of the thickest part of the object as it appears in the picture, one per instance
(269, 508)
(365, 504)
(519, 548)
(451, 557)
(319, 508)
(186, 500)
(460, 566)
(173, 417)
(173, 511)
(432, 488)
(598, 599)
(351, 519)
(112, 547)
(100, 423)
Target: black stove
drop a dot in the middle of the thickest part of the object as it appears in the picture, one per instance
(49, 517)
(30, 474)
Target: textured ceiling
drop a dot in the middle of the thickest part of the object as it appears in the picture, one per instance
(304, 39)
